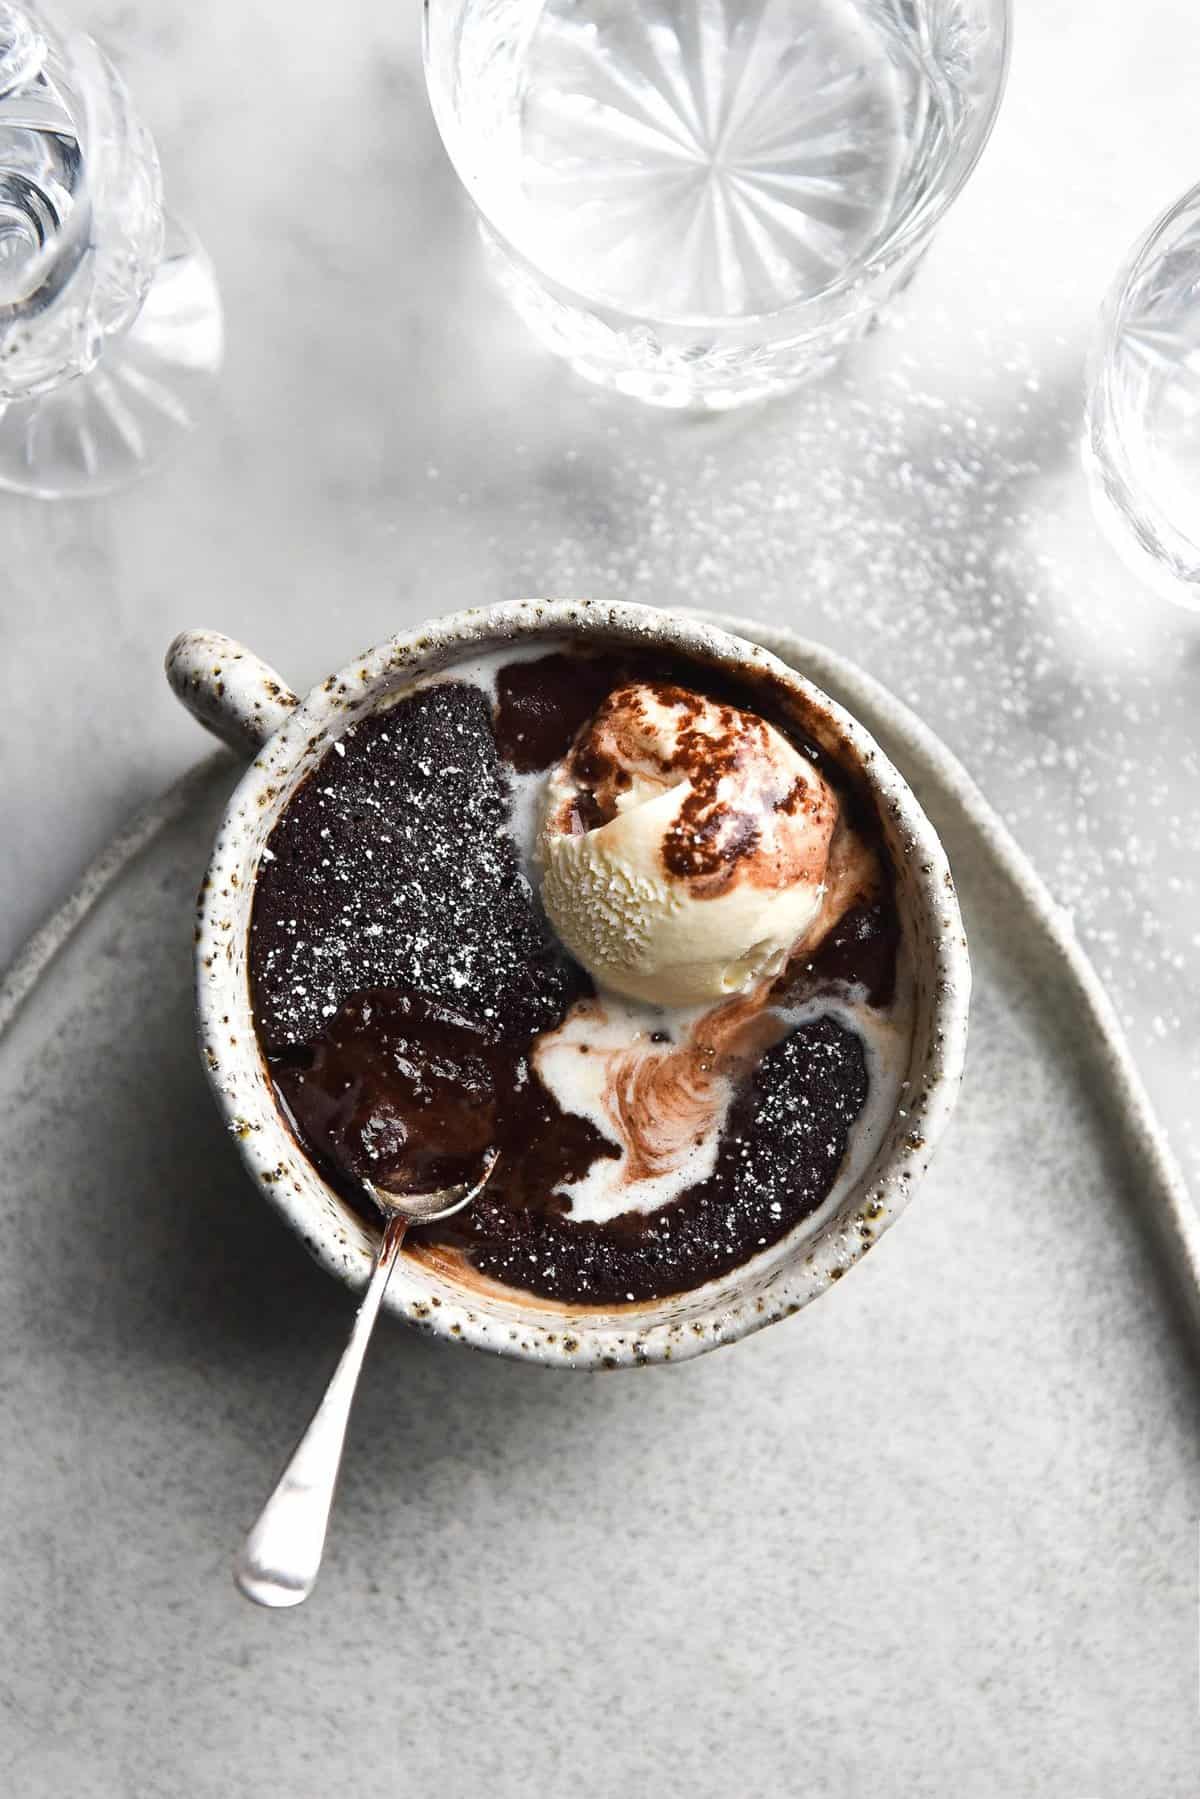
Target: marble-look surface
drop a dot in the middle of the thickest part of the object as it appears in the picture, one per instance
(389, 444)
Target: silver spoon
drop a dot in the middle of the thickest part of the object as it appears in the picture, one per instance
(279, 1562)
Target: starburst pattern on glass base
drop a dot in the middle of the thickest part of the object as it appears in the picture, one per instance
(708, 159)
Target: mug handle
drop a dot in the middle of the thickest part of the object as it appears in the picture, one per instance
(232, 692)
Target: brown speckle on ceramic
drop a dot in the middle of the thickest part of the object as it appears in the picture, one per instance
(291, 738)
(233, 694)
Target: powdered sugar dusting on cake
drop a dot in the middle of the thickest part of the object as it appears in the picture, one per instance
(397, 868)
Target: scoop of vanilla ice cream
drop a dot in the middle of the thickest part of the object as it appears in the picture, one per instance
(683, 846)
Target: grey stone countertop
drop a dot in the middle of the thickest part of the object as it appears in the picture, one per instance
(936, 1537)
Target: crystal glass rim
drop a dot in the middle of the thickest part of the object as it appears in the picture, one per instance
(1134, 262)
(93, 91)
(916, 229)
(1153, 530)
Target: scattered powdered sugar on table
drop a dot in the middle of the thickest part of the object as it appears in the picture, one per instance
(924, 512)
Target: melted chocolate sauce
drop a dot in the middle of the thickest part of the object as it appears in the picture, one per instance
(410, 1095)
(401, 971)
(541, 706)
(860, 949)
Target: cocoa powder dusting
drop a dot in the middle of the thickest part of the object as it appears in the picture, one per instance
(721, 754)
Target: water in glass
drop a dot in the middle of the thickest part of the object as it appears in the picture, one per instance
(678, 171)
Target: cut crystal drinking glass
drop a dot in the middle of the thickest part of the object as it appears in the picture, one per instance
(110, 321)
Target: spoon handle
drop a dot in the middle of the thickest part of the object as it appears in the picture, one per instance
(281, 1558)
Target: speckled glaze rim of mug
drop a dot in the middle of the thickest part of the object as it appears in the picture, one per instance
(761, 1291)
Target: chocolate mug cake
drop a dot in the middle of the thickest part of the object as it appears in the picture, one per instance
(625, 905)
(646, 948)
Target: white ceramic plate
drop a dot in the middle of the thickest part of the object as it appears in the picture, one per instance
(961, 1487)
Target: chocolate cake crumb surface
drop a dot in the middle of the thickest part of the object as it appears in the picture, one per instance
(392, 867)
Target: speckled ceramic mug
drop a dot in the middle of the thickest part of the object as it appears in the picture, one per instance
(247, 705)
